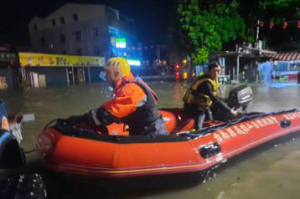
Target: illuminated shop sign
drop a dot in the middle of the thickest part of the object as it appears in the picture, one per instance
(134, 62)
(50, 60)
(120, 42)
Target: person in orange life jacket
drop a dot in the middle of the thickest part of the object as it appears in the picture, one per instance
(134, 102)
(201, 98)
(4, 124)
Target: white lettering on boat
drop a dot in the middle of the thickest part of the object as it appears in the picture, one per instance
(231, 132)
(292, 116)
(218, 137)
(255, 124)
(250, 126)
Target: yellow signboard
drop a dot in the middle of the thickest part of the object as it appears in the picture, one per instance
(44, 60)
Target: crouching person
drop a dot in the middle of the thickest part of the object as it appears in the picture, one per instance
(134, 103)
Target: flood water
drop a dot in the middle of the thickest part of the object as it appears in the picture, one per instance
(270, 173)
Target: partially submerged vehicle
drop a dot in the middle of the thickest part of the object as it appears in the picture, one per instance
(109, 152)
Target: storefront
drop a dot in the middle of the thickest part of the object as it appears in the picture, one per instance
(9, 73)
(43, 70)
(286, 65)
(239, 67)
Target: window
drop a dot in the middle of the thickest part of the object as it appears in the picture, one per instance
(43, 41)
(53, 22)
(35, 26)
(97, 50)
(79, 51)
(75, 17)
(62, 38)
(95, 32)
(62, 20)
(78, 35)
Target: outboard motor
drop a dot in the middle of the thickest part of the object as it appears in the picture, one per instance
(240, 97)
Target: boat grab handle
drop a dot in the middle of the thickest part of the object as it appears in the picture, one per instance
(285, 123)
(209, 149)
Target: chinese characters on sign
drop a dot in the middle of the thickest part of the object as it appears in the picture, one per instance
(44, 60)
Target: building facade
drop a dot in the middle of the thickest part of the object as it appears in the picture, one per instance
(48, 70)
(84, 29)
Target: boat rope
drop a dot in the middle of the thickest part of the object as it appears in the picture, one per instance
(48, 124)
(33, 150)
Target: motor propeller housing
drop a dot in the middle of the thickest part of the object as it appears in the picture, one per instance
(240, 97)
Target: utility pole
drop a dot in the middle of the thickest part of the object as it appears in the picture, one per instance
(257, 32)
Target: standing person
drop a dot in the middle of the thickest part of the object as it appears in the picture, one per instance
(267, 67)
(202, 97)
(261, 71)
(134, 103)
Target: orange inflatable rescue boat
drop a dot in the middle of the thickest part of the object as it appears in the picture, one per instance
(111, 153)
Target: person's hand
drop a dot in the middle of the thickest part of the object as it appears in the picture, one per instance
(234, 112)
(73, 120)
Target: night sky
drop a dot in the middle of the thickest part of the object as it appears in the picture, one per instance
(152, 17)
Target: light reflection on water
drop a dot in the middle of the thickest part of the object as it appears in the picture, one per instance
(271, 173)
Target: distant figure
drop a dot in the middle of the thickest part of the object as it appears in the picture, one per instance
(199, 70)
(267, 68)
(265, 71)
(260, 75)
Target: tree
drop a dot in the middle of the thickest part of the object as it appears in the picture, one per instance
(275, 11)
(209, 24)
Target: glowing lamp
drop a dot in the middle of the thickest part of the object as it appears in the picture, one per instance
(185, 75)
(177, 75)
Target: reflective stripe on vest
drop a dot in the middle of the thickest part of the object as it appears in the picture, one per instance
(192, 96)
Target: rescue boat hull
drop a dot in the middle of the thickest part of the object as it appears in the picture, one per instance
(89, 153)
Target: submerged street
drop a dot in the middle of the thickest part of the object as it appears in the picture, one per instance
(268, 173)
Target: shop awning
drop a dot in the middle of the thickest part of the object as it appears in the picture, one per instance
(291, 56)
